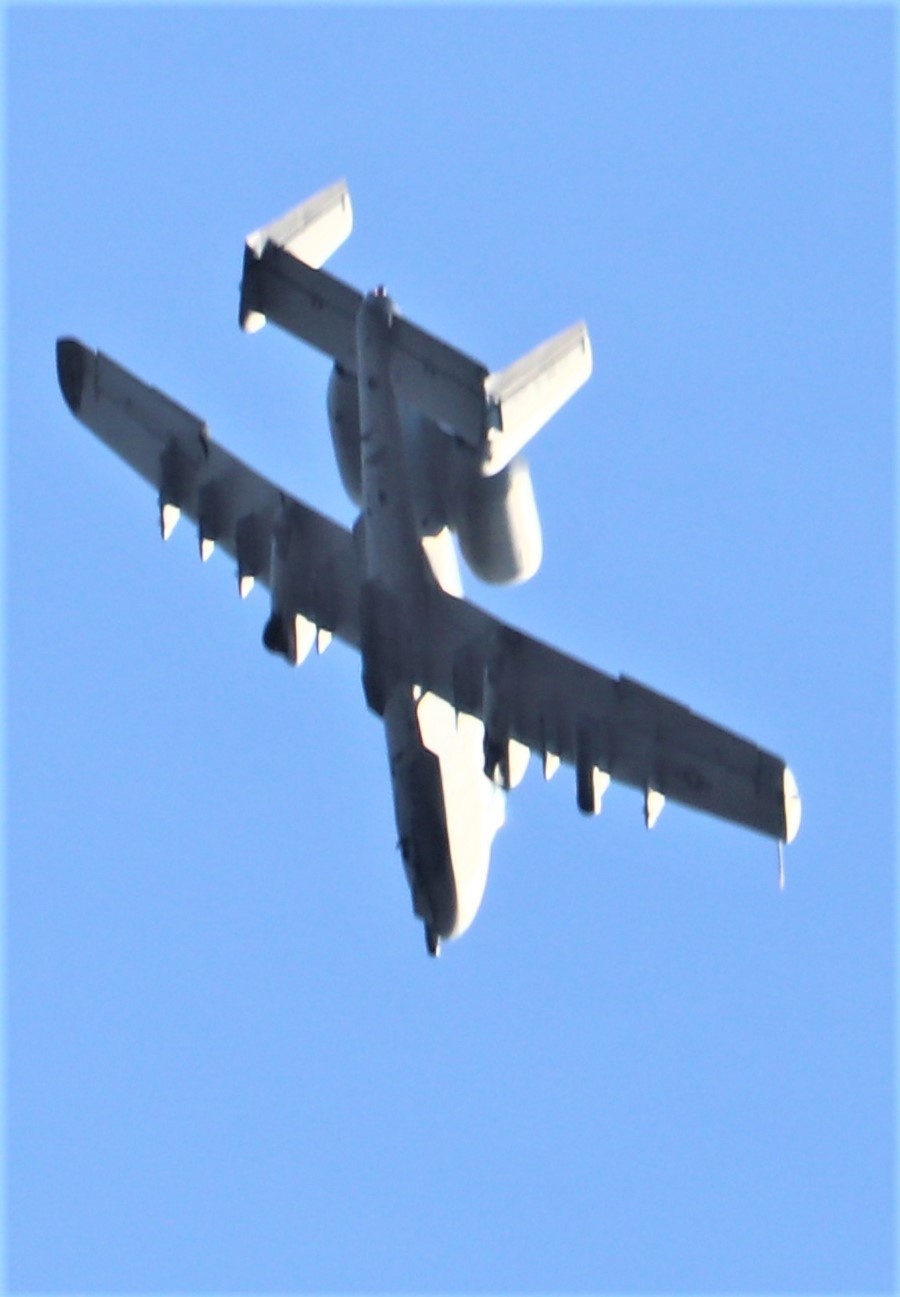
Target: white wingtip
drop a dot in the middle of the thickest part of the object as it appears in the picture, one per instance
(793, 808)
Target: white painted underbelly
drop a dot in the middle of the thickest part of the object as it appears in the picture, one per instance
(474, 807)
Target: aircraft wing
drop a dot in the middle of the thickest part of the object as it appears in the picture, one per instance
(606, 727)
(233, 506)
(525, 691)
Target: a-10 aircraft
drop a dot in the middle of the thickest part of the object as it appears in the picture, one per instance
(428, 444)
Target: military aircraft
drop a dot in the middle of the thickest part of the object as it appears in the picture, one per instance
(428, 443)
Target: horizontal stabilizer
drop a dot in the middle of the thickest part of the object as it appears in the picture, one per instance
(530, 392)
(496, 414)
(445, 384)
(310, 232)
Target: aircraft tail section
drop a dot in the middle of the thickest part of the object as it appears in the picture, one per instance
(530, 391)
(310, 232)
(282, 282)
(496, 414)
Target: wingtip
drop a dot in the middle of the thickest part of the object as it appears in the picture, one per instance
(793, 808)
(71, 368)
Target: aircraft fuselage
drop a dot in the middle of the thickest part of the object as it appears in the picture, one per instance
(447, 810)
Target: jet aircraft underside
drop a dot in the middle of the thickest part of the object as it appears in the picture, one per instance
(429, 446)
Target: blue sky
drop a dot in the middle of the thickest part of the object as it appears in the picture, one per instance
(230, 1065)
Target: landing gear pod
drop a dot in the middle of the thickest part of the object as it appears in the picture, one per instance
(291, 637)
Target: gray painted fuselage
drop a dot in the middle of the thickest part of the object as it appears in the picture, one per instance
(447, 810)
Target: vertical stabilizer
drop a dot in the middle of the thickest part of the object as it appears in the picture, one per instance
(529, 392)
(310, 232)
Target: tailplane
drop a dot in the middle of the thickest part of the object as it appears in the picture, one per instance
(495, 414)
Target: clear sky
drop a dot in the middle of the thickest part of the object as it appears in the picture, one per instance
(231, 1066)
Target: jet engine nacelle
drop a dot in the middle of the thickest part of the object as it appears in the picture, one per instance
(290, 636)
(495, 518)
(497, 522)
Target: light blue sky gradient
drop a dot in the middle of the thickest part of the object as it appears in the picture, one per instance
(231, 1066)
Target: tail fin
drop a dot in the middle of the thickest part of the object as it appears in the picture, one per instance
(310, 232)
(529, 392)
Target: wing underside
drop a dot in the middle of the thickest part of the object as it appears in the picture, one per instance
(608, 728)
(234, 507)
